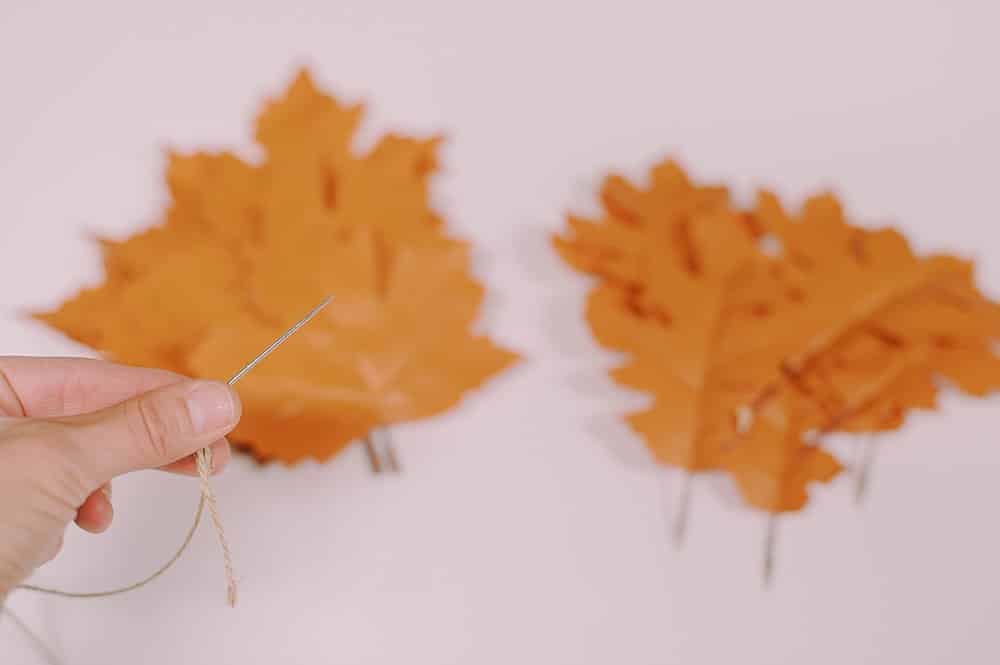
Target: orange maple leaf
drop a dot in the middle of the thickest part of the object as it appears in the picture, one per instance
(393, 346)
(245, 249)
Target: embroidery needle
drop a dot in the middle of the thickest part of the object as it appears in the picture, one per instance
(204, 456)
(281, 340)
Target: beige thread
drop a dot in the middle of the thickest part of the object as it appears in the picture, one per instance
(114, 592)
(204, 460)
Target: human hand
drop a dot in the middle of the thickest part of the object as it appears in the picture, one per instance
(68, 426)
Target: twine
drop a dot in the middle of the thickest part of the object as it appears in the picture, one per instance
(166, 566)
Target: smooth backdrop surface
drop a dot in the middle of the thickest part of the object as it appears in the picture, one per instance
(527, 527)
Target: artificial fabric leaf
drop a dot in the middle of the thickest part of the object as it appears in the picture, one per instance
(862, 378)
(913, 388)
(954, 322)
(315, 177)
(849, 277)
(680, 428)
(843, 275)
(773, 465)
(396, 347)
(157, 316)
(246, 249)
(640, 228)
(801, 324)
(674, 352)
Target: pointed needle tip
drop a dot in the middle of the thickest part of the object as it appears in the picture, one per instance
(281, 340)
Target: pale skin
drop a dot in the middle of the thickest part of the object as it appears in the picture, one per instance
(69, 426)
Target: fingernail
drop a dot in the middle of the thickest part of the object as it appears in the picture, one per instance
(212, 407)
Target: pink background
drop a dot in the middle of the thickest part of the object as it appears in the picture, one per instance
(528, 527)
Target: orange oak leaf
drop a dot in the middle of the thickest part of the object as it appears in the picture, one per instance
(954, 322)
(912, 388)
(670, 315)
(682, 425)
(846, 278)
(691, 421)
(671, 330)
(753, 329)
(840, 276)
(641, 227)
(244, 249)
(862, 381)
(773, 465)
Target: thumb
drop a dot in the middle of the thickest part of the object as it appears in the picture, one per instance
(155, 428)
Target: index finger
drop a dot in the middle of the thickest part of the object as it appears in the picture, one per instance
(53, 387)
